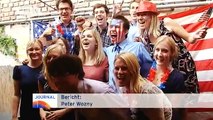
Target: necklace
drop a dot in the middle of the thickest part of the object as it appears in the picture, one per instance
(152, 74)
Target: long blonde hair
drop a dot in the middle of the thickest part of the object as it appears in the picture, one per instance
(154, 26)
(99, 52)
(134, 69)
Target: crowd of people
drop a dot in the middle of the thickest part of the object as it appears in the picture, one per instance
(143, 55)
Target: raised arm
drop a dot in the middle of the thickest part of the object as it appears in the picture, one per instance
(181, 32)
(48, 32)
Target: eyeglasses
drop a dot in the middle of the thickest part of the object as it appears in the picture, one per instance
(66, 9)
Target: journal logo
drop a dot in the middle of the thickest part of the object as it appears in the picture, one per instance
(46, 101)
(41, 104)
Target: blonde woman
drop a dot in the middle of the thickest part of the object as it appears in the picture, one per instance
(51, 53)
(26, 83)
(151, 28)
(95, 63)
(127, 75)
(162, 74)
(46, 85)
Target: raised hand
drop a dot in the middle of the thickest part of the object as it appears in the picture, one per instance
(49, 31)
(200, 33)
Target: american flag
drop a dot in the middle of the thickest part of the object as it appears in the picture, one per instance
(38, 28)
(206, 15)
(202, 50)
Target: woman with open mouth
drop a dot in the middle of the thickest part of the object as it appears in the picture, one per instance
(151, 28)
(129, 80)
(95, 63)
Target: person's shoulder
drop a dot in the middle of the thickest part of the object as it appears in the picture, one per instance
(74, 23)
(17, 70)
(149, 88)
(177, 76)
(95, 82)
(21, 66)
(177, 73)
(104, 61)
(108, 49)
(136, 45)
(97, 86)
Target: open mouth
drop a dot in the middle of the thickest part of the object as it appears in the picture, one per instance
(113, 36)
(141, 21)
(100, 19)
(79, 20)
(85, 43)
(120, 77)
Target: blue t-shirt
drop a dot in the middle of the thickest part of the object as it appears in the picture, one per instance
(28, 78)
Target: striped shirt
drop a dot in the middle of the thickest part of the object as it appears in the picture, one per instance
(65, 29)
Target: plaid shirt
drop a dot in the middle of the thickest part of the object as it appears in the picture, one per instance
(71, 28)
(105, 37)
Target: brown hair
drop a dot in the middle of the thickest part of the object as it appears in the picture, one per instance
(124, 19)
(99, 6)
(66, 65)
(64, 1)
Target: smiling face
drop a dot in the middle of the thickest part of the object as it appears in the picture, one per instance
(132, 10)
(34, 51)
(65, 12)
(144, 20)
(101, 16)
(162, 54)
(121, 72)
(88, 41)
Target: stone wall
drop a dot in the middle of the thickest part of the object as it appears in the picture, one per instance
(24, 9)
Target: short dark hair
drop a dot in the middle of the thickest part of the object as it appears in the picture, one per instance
(66, 65)
(99, 5)
(64, 1)
(124, 19)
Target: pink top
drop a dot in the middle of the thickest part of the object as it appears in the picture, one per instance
(99, 73)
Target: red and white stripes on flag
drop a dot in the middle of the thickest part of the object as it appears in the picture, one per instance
(202, 50)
